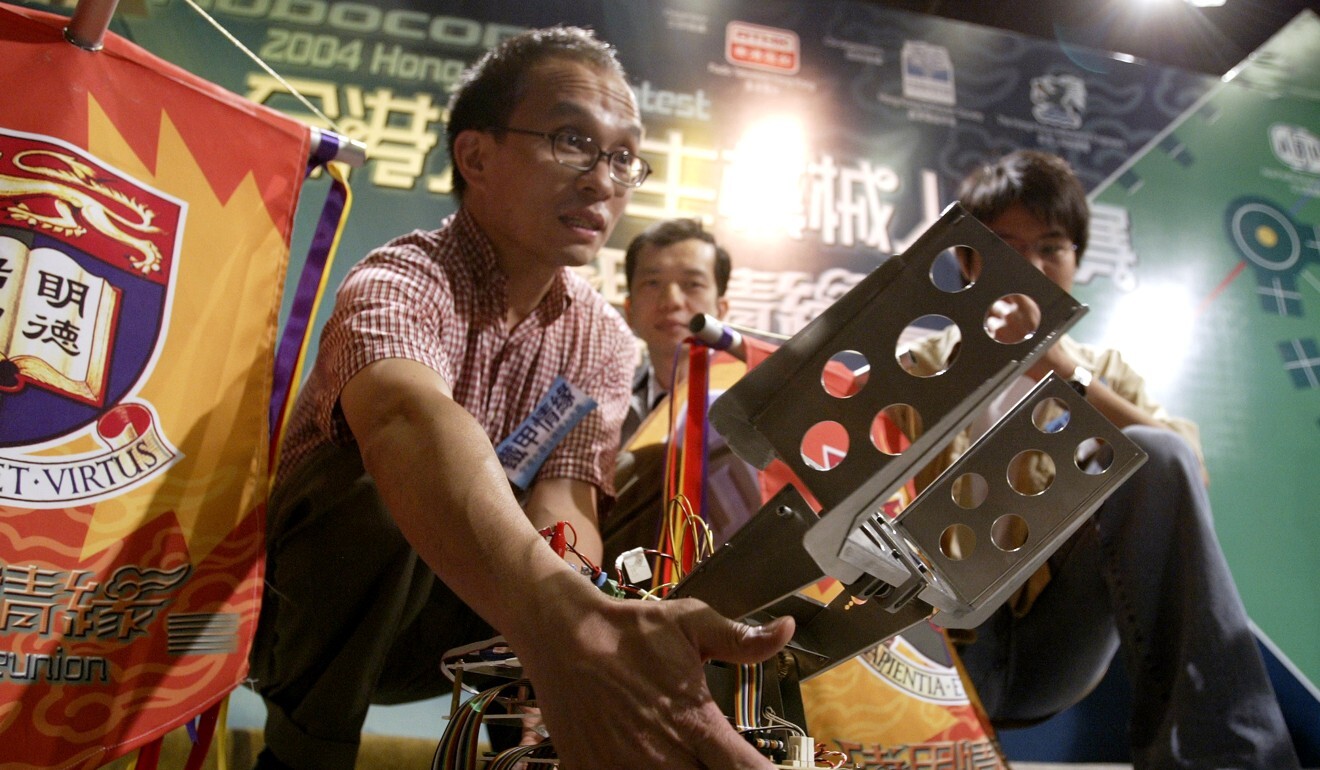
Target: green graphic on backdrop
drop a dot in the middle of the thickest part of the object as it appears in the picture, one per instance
(1225, 316)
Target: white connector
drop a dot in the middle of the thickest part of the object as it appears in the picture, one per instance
(801, 751)
(633, 566)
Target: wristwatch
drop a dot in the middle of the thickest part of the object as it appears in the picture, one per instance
(1080, 380)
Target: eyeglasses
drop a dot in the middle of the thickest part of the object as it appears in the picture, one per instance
(1048, 249)
(581, 154)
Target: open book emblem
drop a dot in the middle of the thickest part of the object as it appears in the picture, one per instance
(87, 257)
(56, 322)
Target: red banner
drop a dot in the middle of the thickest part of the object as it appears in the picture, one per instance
(144, 233)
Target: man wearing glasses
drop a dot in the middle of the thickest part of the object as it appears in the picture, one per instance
(394, 533)
(1147, 575)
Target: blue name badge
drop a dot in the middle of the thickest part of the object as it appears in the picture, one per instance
(524, 450)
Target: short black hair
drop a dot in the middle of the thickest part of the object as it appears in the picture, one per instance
(669, 232)
(491, 88)
(1042, 182)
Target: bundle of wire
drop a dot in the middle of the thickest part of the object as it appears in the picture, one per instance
(747, 697)
(684, 535)
(765, 739)
(460, 741)
(510, 759)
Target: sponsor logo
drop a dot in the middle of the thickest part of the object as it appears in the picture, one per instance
(1058, 100)
(87, 259)
(927, 72)
(763, 48)
(1296, 147)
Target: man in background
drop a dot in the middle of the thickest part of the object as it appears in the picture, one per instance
(674, 270)
(1145, 576)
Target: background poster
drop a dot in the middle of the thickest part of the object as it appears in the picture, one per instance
(1223, 208)
(818, 137)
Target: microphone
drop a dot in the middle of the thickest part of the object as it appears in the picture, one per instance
(712, 332)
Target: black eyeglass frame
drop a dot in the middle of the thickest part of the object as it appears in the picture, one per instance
(554, 138)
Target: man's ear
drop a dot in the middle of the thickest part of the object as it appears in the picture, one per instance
(470, 154)
(627, 310)
(722, 308)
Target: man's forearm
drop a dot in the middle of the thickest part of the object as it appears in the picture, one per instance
(438, 475)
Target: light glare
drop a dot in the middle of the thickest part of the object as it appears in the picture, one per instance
(762, 185)
(1154, 327)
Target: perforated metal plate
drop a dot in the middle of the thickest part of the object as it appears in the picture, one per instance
(985, 525)
(769, 411)
(978, 531)
(955, 554)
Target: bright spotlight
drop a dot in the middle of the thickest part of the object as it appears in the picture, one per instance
(763, 183)
(1154, 326)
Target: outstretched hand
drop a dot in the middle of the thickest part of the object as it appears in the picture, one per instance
(623, 686)
(1014, 318)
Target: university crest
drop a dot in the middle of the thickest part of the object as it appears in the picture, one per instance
(87, 263)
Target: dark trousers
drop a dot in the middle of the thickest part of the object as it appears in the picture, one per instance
(350, 616)
(1146, 576)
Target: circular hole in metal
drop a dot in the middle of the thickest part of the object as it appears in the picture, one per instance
(1012, 318)
(845, 374)
(824, 445)
(1094, 456)
(969, 490)
(895, 428)
(1009, 532)
(1051, 415)
(957, 542)
(1031, 472)
(956, 269)
(926, 326)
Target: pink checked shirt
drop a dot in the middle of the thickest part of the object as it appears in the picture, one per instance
(438, 298)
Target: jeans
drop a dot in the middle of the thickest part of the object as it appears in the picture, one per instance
(1145, 576)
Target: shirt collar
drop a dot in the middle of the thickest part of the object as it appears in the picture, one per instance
(479, 257)
(653, 390)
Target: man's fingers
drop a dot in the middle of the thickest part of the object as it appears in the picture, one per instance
(719, 638)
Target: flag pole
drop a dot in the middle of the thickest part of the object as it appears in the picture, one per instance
(337, 147)
(89, 22)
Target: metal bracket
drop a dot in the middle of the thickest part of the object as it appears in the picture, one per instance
(767, 413)
(944, 556)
